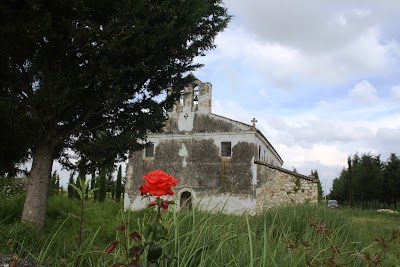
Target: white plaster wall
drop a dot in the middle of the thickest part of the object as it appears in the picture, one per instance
(185, 119)
(215, 203)
(134, 204)
(228, 204)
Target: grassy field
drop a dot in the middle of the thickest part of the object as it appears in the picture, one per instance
(202, 239)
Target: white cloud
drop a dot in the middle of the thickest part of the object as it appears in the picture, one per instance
(395, 90)
(232, 110)
(288, 66)
(364, 93)
(322, 153)
(329, 42)
(310, 25)
(362, 12)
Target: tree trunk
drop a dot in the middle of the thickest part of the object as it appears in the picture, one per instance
(38, 186)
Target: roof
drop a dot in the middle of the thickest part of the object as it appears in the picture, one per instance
(309, 178)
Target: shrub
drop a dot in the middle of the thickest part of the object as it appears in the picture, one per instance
(10, 187)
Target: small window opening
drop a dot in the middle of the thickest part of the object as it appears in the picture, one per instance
(149, 151)
(196, 95)
(181, 98)
(259, 152)
(226, 150)
(186, 200)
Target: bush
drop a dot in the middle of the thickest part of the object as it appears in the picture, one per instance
(11, 187)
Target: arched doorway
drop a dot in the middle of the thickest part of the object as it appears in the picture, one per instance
(186, 200)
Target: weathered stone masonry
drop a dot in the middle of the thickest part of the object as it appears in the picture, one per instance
(222, 164)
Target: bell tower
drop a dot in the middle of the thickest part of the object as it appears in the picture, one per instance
(196, 97)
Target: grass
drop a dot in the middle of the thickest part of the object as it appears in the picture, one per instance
(198, 238)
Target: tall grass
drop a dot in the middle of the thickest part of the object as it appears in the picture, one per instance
(195, 238)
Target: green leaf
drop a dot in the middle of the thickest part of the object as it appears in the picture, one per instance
(83, 185)
(94, 189)
(76, 189)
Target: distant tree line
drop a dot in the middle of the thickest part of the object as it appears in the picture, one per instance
(104, 182)
(369, 182)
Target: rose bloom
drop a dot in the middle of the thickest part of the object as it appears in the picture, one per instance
(158, 183)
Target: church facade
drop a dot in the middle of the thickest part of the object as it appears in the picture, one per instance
(222, 164)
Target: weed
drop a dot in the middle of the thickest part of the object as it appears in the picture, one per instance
(339, 257)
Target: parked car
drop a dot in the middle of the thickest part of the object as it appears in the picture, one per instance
(332, 203)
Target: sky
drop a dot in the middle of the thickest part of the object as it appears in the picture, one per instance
(319, 76)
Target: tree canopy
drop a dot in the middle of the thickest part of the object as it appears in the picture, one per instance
(84, 75)
(369, 181)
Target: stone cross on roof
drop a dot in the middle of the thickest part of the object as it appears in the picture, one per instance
(254, 123)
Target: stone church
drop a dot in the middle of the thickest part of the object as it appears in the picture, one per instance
(222, 164)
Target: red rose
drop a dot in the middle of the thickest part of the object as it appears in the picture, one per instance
(158, 183)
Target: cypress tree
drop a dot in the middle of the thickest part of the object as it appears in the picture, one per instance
(93, 184)
(118, 186)
(71, 191)
(351, 186)
(102, 192)
(112, 189)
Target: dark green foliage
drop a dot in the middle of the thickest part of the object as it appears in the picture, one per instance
(368, 182)
(13, 144)
(93, 184)
(391, 178)
(350, 182)
(109, 183)
(118, 185)
(84, 75)
(113, 190)
(11, 187)
(102, 185)
(71, 191)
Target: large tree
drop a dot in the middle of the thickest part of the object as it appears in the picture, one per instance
(82, 73)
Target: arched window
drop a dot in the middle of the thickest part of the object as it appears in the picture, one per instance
(181, 100)
(186, 200)
(196, 95)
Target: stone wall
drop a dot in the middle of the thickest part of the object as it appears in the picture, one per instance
(278, 186)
